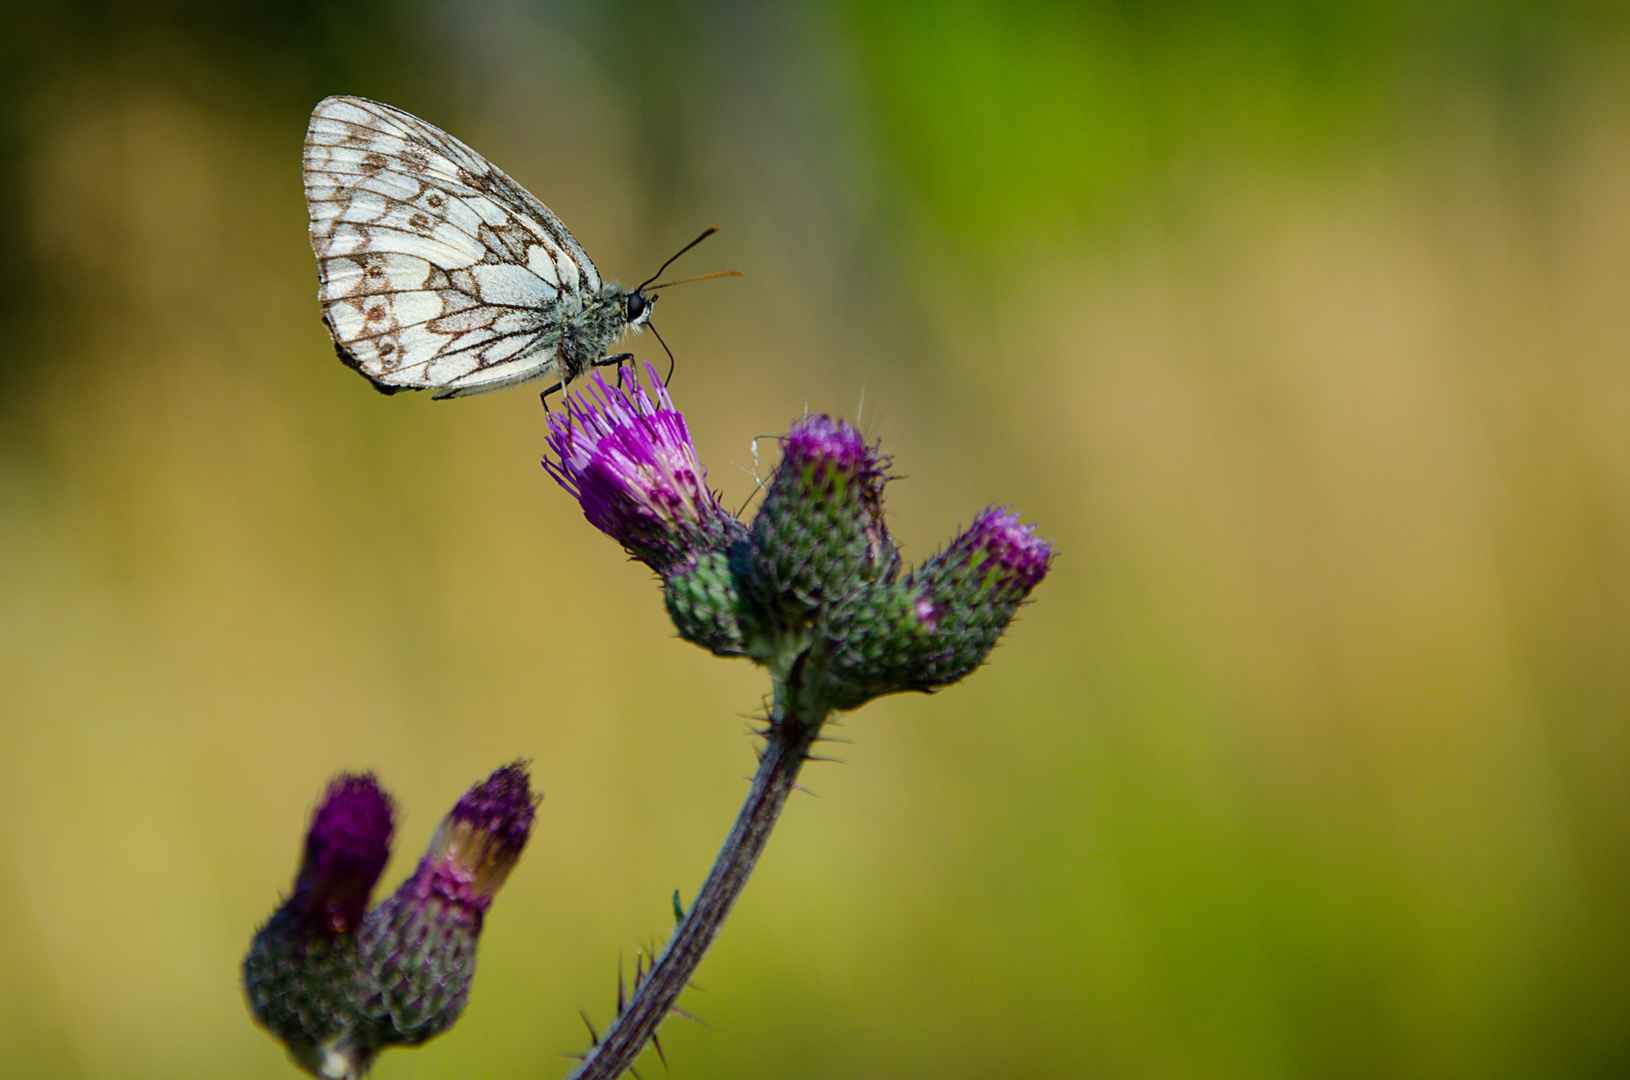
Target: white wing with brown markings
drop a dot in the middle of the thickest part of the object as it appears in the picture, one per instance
(437, 271)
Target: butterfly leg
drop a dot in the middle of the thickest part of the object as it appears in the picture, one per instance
(608, 361)
(617, 362)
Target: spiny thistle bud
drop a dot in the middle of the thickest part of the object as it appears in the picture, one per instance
(300, 976)
(631, 466)
(418, 946)
(939, 623)
(819, 533)
(705, 604)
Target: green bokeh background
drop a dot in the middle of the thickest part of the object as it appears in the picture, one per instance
(1302, 329)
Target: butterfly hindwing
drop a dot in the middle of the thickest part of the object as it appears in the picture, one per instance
(437, 270)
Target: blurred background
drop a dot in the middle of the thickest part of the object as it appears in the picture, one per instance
(1301, 329)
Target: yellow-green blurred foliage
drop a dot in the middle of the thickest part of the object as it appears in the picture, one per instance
(1302, 329)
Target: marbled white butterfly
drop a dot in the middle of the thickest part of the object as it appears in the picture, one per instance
(437, 271)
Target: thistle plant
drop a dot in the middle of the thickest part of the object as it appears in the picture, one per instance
(337, 983)
(813, 590)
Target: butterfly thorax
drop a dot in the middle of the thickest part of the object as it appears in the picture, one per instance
(589, 332)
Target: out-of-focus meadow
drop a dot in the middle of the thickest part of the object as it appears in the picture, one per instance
(1303, 330)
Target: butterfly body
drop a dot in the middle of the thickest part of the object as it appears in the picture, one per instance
(437, 271)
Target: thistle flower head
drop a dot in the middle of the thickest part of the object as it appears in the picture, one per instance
(939, 623)
(337, 986)
(819, 444)
(996, 557)
(480, 840)
(301, 975)
(418, 946)
(630, 463)
(965, 596)
(346, 849)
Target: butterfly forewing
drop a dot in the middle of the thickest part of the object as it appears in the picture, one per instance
(437, 270)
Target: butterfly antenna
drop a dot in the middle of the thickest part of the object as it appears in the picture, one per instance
(707, 232)
(698, 277)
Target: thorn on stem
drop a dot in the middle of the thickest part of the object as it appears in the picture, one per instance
(657, 1044)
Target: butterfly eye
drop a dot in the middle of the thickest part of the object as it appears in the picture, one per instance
(639, 306)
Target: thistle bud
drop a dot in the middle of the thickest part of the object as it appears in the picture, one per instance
(705, 604)
(940, 622)
(300, 976)
(418, 946)
(819, 534)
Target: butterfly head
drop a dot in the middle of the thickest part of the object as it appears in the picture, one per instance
(638, 308)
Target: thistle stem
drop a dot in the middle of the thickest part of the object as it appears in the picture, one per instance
(786, 748)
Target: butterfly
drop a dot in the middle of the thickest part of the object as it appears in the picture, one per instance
(436, 271)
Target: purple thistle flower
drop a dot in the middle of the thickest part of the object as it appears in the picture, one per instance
(337, 986)
(819, 443)
(965, 596)
(480, 840)
(1003, 558)
(301, 974)
(816, 582)
(630, 463)
(346, 849)
(418, 946)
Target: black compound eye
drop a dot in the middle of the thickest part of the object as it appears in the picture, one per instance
(638, 305)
